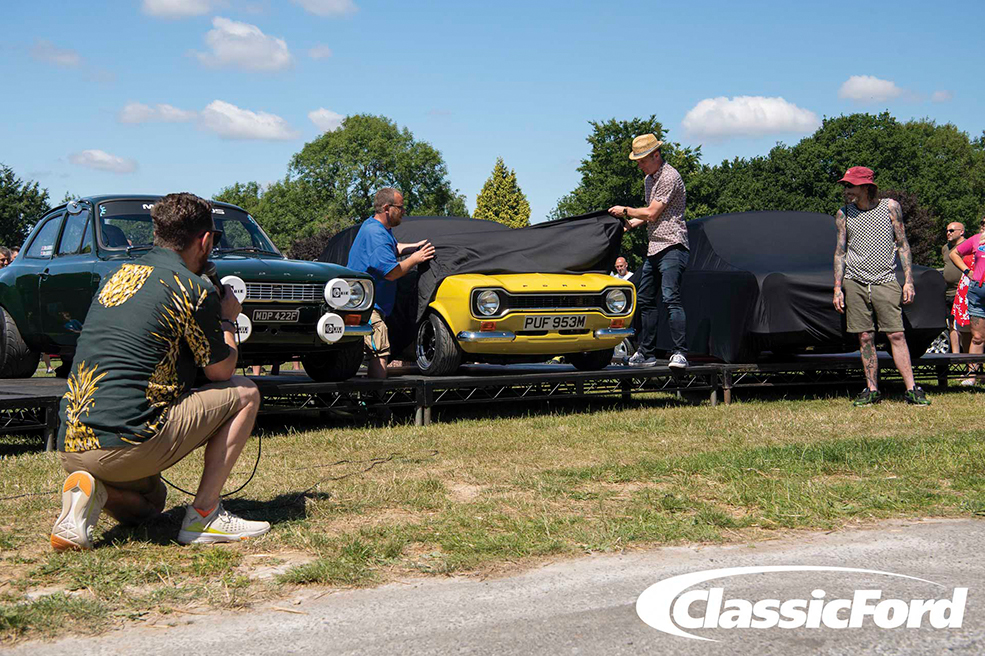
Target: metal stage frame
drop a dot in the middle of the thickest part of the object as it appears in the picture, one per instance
(31, 405)
(839, 370)
(482, 384)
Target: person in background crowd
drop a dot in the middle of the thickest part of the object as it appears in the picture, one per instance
(952, 275)
(870, 234)
(622, 269)
(5, 257)
(667, 253)
(14, 252)
(375, 251)
(974, 246)
(130, 411)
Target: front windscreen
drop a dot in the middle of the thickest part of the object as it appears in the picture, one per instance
(127, 224)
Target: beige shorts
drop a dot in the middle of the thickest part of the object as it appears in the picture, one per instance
(866, 305)
(378, 342)
(191, 422)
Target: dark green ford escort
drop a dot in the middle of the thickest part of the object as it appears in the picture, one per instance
(314, 311)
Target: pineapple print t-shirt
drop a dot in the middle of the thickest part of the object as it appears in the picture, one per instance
(151, 326)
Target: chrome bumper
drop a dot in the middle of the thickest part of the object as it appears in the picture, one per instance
(614, 332)
(358, 331)
(487, 336)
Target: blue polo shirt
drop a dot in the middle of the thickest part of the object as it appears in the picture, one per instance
(375, 252)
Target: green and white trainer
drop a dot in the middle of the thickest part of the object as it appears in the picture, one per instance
(83, 498)
(218, 526)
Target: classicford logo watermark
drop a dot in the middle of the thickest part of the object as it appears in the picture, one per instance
(670, 606)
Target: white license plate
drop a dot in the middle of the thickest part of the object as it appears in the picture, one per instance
(277, 316)
(558, 322)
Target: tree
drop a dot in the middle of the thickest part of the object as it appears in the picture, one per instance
(609, 177)
(21, 205)
(502, 200)
(339, 172)
(936, 169)
(331, 182)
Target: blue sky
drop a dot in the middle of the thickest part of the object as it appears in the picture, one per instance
(134, 96)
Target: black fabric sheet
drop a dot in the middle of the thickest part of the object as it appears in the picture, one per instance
(586, 243)
(763, 281)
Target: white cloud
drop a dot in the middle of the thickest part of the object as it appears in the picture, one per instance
(231, 122)
(135, 112)
(177, 8)
(325, 119)
(244, 45)
(46, 51)
(103, 161)
(328, 7)
(320, 52)
(866, 88)
(747, 116)
(942, 96)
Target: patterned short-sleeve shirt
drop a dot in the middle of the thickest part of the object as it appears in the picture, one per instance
(151, 326)
(665, 185)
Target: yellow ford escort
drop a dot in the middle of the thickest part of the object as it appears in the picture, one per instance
(524, 317)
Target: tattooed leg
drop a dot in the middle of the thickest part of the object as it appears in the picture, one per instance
(867, 346)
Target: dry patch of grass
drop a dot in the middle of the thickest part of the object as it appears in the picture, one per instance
(487, 497)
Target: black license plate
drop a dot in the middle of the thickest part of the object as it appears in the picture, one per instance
(276, 316)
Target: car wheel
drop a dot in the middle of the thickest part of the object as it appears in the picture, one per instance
(335, 365)
(590, 360)
(437, 352)
(17, 360)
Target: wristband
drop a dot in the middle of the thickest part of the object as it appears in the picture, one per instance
(967, 272)
(625, 213)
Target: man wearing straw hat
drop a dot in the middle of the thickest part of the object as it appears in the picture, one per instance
(667, 253)
(870, 234)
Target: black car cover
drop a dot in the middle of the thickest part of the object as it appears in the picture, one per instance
(586, 243)
(763, 281)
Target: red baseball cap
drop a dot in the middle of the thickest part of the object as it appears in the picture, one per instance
(859, 175)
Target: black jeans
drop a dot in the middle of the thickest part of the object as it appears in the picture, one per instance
(662, 272)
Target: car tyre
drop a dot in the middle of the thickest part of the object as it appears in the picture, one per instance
(335, 365)
(437, 352)
(17, 360)
(590, 360)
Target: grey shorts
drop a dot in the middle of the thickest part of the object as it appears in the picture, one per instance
(191, 422)
(866, 305)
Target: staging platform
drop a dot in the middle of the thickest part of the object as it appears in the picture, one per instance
(31, 404)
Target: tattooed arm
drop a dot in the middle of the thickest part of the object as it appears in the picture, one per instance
(840, 245)
(903, 247)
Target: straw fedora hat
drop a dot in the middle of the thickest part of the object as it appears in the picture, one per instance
(643, 145)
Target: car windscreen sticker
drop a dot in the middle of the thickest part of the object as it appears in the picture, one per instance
(121, 207)
(218, 210)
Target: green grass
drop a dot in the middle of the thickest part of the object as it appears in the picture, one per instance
(487, 495)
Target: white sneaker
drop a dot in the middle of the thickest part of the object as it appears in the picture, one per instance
(219, 526)
(83, 498)
(968, 382)
(677, 361)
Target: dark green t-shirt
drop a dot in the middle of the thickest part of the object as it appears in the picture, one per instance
(151, 326)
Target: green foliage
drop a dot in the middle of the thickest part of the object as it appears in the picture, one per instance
(331, 182)
(21, 205)
(339, 172)
(937, 169)
(609, 177)
(502, 200)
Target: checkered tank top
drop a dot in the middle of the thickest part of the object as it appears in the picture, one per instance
(871, 256)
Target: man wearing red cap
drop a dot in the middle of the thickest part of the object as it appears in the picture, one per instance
(870, 234)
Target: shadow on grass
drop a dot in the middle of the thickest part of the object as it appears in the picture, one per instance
(163, 529)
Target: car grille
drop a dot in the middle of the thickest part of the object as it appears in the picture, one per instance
(555, 301)
(287, 292)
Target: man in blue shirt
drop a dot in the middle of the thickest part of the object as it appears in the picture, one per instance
(375, 251)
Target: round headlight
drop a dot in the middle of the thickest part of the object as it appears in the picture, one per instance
(487, 303)
(616, 301)
(357, 294)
